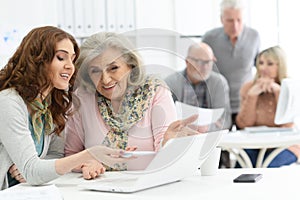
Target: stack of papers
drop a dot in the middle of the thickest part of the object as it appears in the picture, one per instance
(26, 192)
(206, 116)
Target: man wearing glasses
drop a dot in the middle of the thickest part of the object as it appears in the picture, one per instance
(198, 85)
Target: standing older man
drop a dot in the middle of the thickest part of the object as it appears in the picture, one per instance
(198, 85)
(235, 47)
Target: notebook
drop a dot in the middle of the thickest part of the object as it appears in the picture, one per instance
(177, 159)
(266, 129)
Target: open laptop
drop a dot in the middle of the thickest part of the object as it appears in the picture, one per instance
(288, 107)
(178, 159)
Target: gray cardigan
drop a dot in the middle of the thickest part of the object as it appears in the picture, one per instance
(17, 146)
(218, 91)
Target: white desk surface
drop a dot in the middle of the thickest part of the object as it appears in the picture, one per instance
(277, 183)
(236, 142)
(259, 140)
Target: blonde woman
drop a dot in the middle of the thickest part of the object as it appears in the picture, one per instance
(259, 100)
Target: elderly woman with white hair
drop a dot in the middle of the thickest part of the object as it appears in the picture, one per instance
(120, 107)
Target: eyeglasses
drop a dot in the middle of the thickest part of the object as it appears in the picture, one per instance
(200, 61)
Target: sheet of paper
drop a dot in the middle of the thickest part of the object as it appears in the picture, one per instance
(20, 192)
(206, 116)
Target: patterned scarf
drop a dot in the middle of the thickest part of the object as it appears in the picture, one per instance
(40, 111)
(133, 107)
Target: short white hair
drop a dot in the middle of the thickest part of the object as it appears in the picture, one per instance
(236, 4)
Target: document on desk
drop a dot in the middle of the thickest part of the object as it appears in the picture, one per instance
(49, 192)
(206, 116)
(266, 129)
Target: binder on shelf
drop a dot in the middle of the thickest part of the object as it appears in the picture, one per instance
(68, 16)
(99, 15)
(130, 15)
(60, 17)
(121, 12)
(79, 17)
(88, 21)
(111, 15)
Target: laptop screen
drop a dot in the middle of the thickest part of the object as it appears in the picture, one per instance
(288, 106)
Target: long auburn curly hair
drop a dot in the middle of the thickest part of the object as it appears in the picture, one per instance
(27, 72)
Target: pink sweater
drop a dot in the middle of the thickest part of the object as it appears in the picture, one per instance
(257, 111)
(86, 128)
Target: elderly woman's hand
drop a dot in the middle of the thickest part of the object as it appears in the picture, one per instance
(109, 156)
(180, 128)
(200, 129)
(92, 169)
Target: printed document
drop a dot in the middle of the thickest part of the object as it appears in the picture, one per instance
(206, 116)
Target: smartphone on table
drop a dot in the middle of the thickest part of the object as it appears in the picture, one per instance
(247, 178)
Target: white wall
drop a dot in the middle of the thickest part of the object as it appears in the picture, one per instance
(263, 17)
(289, 35)
(155, 14)
(196, 17)
(17, 17)
(274, 19)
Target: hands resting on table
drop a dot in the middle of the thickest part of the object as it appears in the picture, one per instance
(93, 168)
(179, 128)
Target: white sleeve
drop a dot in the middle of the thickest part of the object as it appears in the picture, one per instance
(16, 138)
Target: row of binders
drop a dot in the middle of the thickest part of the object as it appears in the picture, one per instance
(85, 17)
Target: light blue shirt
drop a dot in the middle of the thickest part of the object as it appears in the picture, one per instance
(38, 145)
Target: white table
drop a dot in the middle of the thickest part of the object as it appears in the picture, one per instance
(236, 142)
(277, 183)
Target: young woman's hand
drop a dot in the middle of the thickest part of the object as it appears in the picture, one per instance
(14, 172)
